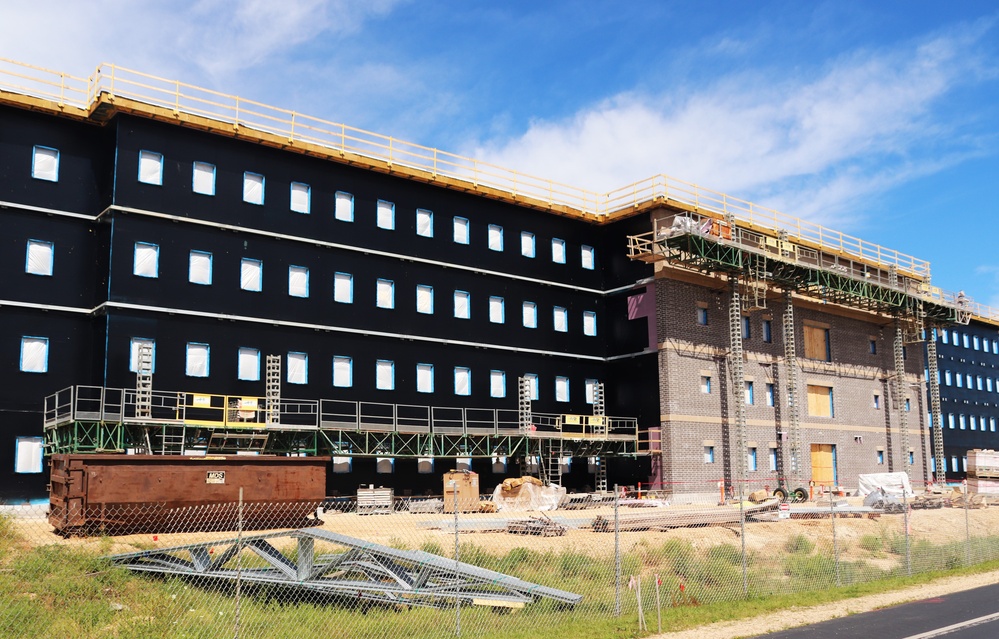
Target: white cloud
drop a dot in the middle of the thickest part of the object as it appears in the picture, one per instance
(810, 147)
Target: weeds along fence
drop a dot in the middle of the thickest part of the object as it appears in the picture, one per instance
(608, 565)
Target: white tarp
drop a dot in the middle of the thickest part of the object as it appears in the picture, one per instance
(250, 275)
(496, 314)
(150, 167)
(529, 497)
(203, 180)
(39, 259)
(199, 269)
(298, 368)
(892, 483)
(343, 288)
(461, 310)
(385, 215)
(301, 196)
(495, 237)
(342, 372)
(298, 281)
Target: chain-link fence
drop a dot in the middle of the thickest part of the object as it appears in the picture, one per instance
(373, 566)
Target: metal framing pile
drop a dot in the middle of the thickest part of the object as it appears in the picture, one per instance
(357, 571)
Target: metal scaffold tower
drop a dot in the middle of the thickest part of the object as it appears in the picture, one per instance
(272, 389)
(551, 461)
(899, 392)
(793, 470)
(144, 382)
(599, 410)
(144, 388)
(940, 474)
(524, 404)
(737, 374)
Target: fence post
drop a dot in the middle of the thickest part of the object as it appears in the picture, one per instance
(967, 526)
(239, 560)
(457, 568)
(617, 554)
(905, 516)
(832, 517)
(742, 534)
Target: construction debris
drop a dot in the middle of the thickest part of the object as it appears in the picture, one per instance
(343, 568)
(527, 493)
(681, 518)
(540, 526)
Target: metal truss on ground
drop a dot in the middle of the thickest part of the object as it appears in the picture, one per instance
(348, 570)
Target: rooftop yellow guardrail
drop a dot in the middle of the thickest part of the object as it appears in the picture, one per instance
(109, 81)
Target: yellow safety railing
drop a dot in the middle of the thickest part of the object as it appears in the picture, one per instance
(110, 81)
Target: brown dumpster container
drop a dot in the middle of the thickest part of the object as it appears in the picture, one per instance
(120, 494)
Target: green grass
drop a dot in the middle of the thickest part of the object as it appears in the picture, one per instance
(56, 591)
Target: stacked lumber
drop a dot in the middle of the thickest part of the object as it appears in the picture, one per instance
(540, 526)
(665, 519)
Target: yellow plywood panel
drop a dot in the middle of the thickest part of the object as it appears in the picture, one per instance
(819, 401)
(822, 464)
(816, 342)
(573, 420)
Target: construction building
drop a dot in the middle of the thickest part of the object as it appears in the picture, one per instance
(187, 272)
(968, 379)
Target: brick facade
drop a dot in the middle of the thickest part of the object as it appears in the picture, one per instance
(695, 389)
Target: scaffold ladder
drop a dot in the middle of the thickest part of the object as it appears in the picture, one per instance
(144, 382)
(791, 377)
(273, 389)
(738, 377)
(524, 395)
(755, 293)
(599, 410)
(903, 421)
(551, 461)
(936, 418)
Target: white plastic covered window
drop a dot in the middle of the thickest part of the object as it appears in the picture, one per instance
(384, 374)
(197, 360)
(561, 389)
(462, 305)
(343, 371)
(298, 281)
(146, 260)
(527, 244)
(424, 223)
(497, 314)
(532, 379)
(133, 353)
(530, 312)
(385, 215)
(497, 384)
(39, 257)
(558, 251)
(425, 299)
(251, 275)
(249, 364)
(590, 390)
(301, 198)
(45, 164)
(561, 318)
(199, 268)
(587, 255)
(589, 323)
(495, 237)
(34, 354)
(462, 381)
(151, 167)
(344, 209)
(343, 288)
(424, 378)
(28, 455)
(298, 368)
(253, 188)
(385, 294)
(460, 230)
(203, 178)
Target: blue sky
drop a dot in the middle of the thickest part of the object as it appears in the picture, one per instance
(876, 119)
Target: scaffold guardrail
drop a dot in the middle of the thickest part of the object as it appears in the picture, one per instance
(110, 82)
